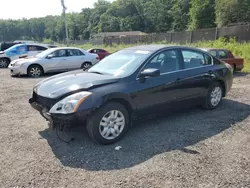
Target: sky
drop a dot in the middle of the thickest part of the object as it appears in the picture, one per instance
(18, 9)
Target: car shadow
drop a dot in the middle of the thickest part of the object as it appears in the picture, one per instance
(147, 138)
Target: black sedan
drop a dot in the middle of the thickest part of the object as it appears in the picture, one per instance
(130, 83)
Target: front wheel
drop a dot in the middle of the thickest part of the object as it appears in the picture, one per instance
(108, 124)
(214, 96)
(4, 63)
(35, 71)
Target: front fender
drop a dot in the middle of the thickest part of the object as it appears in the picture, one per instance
(95, 101)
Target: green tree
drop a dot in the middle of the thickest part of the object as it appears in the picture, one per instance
(202, 14)
(232, 11)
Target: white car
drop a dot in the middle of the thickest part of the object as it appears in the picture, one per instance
(20, 51)
(53, 60)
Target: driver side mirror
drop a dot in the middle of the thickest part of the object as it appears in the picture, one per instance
(50, 56)
(150, 72)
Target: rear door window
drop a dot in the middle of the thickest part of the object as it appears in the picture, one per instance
(223, 54)
(213, 53)
(193, 59)
(74, 52)
(36, 48)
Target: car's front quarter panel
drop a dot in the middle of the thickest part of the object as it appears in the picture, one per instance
(109, 92)
(19, 69)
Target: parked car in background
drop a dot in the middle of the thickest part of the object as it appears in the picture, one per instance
(20, 51)
(100, 52)
(53, 60)
(25, 41)
(6, 45)
(227, 56)
(130, 83)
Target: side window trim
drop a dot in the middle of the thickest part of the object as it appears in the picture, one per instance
(66, 53)
(202, 53)
(158, 53)
(227, 56)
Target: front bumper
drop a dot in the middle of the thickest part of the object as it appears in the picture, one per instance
(14, 70)
(63, 120)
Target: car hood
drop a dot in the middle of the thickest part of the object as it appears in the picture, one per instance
(71, 82)
(24, 60)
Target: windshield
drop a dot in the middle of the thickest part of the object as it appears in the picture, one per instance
(45, 53)
(121, 63)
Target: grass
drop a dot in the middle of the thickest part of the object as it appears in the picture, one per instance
(238, 49)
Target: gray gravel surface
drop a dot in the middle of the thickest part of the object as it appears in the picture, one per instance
(195, 148)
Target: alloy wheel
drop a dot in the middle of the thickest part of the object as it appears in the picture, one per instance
(112, 124)
(35, 72)
(86, 66)
(3, 63)
(216, 95)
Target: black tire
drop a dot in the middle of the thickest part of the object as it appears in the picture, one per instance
(208, 101)
(35, 71)
(4, 62)
(234, 68)
(94, 121)
(86, 65)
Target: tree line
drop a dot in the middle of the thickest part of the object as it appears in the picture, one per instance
(149, 16)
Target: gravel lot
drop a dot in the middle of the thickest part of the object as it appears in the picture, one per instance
(196, 148)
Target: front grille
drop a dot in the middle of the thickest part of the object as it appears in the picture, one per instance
(43, 101)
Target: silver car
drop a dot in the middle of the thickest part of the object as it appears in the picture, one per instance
(53, 60)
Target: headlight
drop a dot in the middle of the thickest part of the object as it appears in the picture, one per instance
(70, 104)
(17, 64)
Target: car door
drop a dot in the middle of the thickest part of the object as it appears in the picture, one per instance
(75, 59)
(16, 52)
(195, 78)
(56, 61)
(158, 92)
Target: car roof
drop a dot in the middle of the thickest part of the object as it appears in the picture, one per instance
(66, 48)
(207, 49)
(155, 47)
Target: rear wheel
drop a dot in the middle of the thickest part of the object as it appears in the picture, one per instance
(86, 65)
(214, 96)
(108, 124)
(234, 68)
(35, 71)
(4, 63)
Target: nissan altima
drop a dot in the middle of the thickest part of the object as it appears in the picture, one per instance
(131, 83)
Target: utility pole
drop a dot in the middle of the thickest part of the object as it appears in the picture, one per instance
(65, 22)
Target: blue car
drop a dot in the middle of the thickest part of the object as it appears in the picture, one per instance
(20, 51)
